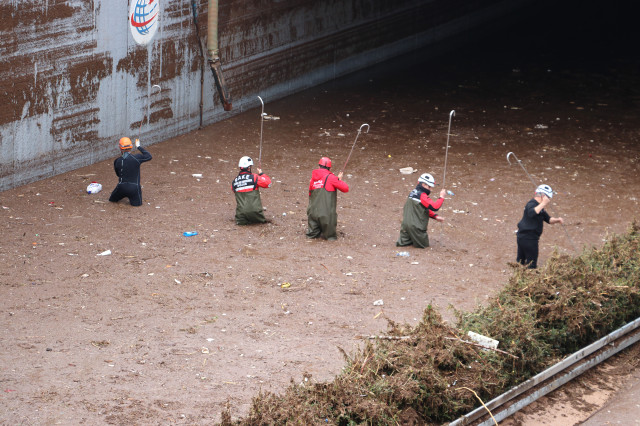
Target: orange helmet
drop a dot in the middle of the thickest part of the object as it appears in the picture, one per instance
(325, 161)
(125, 144)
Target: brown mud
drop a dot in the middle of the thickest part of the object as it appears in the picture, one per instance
(169, 329)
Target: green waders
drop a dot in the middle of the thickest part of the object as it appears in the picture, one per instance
(415, 219)
(321, 214)
(249, 208)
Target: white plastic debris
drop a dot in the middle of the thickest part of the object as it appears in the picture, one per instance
(407, 170)
(196, 175)
(485, 341)
(94, 188)
(378, 303)
(104, 253)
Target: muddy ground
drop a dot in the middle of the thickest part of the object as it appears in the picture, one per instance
(169, 329)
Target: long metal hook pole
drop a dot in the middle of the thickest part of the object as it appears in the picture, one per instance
(354, 145)
(262, 114)
(148, 115)
(536, 185)
(446, 155)
(446, 152)
(520, 164)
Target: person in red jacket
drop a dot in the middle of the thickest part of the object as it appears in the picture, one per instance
(246, 188)
(323, 199)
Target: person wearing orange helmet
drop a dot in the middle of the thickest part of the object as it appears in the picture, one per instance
(323, 199)
(418, 209)
(127, 168)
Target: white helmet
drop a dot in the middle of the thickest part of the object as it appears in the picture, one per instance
(545, 189)
(427, 178)
(245, 162)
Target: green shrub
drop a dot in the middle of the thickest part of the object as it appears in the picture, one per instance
(422, 374)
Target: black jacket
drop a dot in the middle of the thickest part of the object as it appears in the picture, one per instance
(127, 166)
(530, 226)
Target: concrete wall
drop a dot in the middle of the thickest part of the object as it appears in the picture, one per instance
(73, 80)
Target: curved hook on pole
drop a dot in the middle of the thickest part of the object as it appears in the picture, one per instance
(159, 90)
(523, 168)
(262, 102)
(354, 144)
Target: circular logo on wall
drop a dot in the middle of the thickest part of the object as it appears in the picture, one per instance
(144, 16)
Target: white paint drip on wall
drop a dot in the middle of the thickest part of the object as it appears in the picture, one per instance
(160, 41)
(25, 110)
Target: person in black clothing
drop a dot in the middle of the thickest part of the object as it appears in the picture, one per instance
(530, 226)
(127, 168)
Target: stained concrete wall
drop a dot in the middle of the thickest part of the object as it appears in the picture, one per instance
(73, 80)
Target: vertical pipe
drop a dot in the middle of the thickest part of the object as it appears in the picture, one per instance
(212, 31)
(194, 8)
(214, 59)
(201, 90)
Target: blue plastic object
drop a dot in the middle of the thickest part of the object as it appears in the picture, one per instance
(189, 233)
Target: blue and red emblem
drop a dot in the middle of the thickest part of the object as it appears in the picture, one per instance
(143, 19)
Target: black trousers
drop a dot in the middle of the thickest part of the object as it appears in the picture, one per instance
(528, 252)
(131, 191)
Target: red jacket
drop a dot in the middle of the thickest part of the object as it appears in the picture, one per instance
(420, 194)
(319, 177)
(431, 205)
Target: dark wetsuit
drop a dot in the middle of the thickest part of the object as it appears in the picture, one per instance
(127, 168)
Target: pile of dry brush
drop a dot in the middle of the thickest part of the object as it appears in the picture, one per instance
(426, 374)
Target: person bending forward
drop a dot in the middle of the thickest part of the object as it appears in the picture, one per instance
(418, 209)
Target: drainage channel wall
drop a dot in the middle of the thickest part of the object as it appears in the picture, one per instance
(74, 76)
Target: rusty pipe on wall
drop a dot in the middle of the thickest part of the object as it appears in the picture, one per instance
(194, 10)
(214, 58)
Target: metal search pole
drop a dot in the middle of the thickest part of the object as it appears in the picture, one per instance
(354, 145)
(536, 185)
(148, 115)
(446, 152)
(262, 115)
